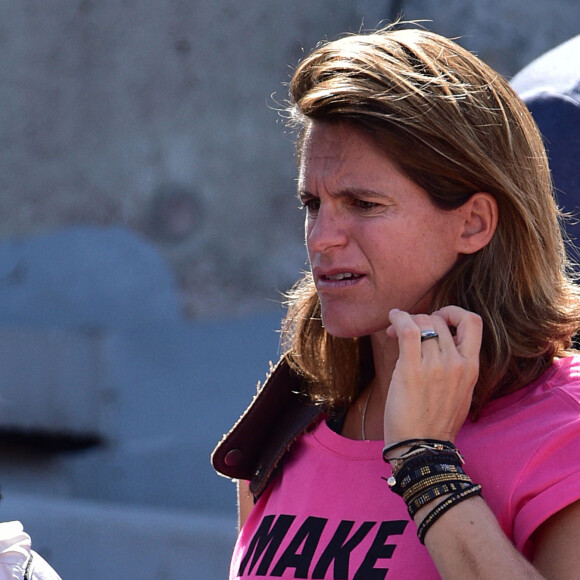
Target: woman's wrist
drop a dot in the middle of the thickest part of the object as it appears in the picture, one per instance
(428, 475)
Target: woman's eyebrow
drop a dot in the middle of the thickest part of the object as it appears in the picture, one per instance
(351, 192)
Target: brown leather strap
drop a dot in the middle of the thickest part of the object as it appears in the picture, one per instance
(277, 416)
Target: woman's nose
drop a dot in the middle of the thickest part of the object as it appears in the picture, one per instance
(326, 230)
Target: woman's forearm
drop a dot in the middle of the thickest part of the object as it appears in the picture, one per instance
(467, 542)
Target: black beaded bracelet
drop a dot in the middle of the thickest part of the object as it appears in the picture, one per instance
(405, 478)
(424, 484)
(435, 492)
(443, 507)
(424, 459)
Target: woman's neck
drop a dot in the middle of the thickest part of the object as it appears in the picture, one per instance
(385, 354)
(365, 415)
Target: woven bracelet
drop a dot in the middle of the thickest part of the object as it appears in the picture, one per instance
(421, 459)
(422, 486)
(435, 492)
(405, 478)
(432, 466)
(443, 507)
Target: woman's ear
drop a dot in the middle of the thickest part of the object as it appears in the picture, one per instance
(480, 213)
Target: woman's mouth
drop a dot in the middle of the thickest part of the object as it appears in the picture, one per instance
(337, 281)
(340, 276)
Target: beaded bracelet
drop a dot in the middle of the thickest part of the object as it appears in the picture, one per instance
(408, 477)
(433, 493)
(424, 460)
(429, 465)
(424, 484)
(421, 457)
(421, 451)
(443, 507)
(412, 485)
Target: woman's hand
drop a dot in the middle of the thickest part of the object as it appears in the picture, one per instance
(432, 385)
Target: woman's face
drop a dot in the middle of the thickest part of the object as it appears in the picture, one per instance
(375, 240)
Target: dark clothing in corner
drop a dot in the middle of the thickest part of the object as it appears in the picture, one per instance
(550, 87)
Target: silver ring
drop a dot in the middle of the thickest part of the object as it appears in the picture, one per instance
(427, 334)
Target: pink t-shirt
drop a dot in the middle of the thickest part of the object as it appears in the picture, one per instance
(329, 513)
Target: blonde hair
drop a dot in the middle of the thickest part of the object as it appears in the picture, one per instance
(454, 127)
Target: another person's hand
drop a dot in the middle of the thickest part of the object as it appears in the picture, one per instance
(432, 385)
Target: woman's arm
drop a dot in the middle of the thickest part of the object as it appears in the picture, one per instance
(429, 397)
(556, 553)
(466, 542)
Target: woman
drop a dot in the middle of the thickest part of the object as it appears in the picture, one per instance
(427, 374)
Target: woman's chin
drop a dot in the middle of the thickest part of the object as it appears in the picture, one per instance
(349, 330)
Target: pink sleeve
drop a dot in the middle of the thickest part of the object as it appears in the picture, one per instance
(548, 484)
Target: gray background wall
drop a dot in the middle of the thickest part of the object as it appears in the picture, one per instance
(147, 227)
(161, 117)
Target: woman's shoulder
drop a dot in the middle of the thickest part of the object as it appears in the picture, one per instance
(561, 379)
(558, 386)
(548, 408)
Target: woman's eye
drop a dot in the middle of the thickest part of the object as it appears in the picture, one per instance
(362, 204)
(311, 204)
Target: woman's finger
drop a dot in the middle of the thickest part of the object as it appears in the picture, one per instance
(468, 327)
(406, 331)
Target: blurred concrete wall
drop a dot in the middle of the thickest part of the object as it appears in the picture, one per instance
(110, 405)
(162, 117)
(147, 227)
